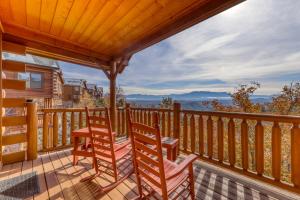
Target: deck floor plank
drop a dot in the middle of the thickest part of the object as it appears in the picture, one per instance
(122, 188)
(75, 177)
(37, 166)
(88, 171)
(102, 181)
(27, 168)
(59, 179)
(53, 186)
(64, 179)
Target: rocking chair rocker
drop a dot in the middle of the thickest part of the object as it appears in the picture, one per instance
(158, 177)
(113, 159)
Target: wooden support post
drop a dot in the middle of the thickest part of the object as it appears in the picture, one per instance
(31, 131)
(112, 94)
(176, 117)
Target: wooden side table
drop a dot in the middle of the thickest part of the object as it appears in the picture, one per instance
(171, 144)
(83, 149)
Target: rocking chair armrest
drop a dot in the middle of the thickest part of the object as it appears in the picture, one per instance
(122, 145)
(182, 166)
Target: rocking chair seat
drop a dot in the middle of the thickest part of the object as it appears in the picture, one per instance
(83, 132)
(173, 183)
(119, 154)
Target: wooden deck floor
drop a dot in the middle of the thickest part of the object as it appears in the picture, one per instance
(59, 179)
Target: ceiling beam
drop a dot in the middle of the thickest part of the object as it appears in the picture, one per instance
(199, 13)
(1, 27)
(54, 52)
(54, 48)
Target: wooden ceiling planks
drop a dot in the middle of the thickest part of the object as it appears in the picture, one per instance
(107, 11)
(18, 6)
(76, 12)
(100, 29)
(47, 13)
(148, 21)
(119, 14)
(33, 12)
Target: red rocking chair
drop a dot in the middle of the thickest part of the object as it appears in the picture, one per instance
(157, 176)
(113, 159)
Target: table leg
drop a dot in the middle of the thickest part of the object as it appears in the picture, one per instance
(75, 158)
(174, 153)
(169, 153)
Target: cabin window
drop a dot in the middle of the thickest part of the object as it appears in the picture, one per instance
(33, 80)
(77, 89)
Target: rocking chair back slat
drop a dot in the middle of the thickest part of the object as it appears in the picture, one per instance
(153, 173)
(102, 136)
(146, 142)
(110, 158)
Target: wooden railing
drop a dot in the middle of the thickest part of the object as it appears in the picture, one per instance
(262, 146)
(55, 126)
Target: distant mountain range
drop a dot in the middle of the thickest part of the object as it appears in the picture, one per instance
(191, 96)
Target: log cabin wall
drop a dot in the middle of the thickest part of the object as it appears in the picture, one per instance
(51, 86)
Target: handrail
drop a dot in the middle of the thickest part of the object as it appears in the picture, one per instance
(248, 143)
(248, 116)
(56, 125)
(251, 144)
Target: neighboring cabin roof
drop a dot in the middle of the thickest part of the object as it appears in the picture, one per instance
(91, 86)
(95, 33)
(74, 81)
(32, 59)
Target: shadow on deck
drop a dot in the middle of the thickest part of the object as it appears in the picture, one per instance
(59, 179)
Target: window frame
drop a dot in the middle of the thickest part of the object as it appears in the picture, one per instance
(30, 79)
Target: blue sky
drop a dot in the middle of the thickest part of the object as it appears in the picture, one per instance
(258, 40)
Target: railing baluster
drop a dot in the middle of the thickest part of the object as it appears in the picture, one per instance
(210, 137)
(73, 124)
(185, 131)
(119, 130)
(231, 142)
(64, 128)
(193, 137)
(55, 129)
(141, 116)
(295, 156)
(50, 131)
(145, 117)
(276, 151)
(169, 124)
(80, 120)
(123, 122)
(244, 144)
(149, 118)
(138, 116)
(45, 131)
(259, 148)
(200, 129)
(220, 140)
(163, 122)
